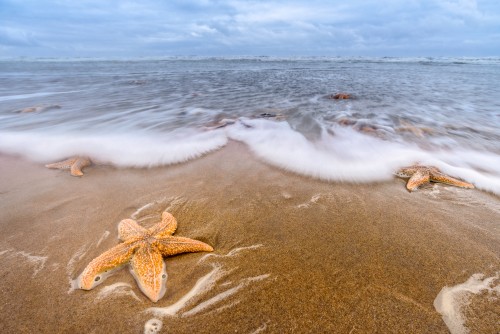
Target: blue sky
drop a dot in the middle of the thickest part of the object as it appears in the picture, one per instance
(110, 28)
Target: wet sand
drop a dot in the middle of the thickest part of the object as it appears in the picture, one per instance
(292, 254)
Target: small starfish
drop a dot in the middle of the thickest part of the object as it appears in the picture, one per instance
(340, 96)
(144, 249)
(422, 174)
(39, 108)
(76, 165)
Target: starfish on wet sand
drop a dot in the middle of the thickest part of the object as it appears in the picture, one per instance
(76, 165)
(422, 174)
(144, 249)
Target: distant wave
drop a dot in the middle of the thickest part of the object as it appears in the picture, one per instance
(27, 96)
(450, 60)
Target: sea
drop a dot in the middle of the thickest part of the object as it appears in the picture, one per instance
(146, 112)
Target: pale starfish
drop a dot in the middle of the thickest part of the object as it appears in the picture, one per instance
(144, 249)
(422, 174)
(76, 165)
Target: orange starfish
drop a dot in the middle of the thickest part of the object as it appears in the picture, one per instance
(76, 165)
(340, 96)
(422, 174)
(144, 249)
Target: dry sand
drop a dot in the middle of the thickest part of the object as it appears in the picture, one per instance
(292, 254)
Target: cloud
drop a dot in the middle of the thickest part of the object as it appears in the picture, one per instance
(11, 36)
(217, 27)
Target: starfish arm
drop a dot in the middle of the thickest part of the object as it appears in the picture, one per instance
(65, 164)
(95, 272)
(166, 227)
(442, 178)
(149, 272)
(417, 179)
(78, 165)
(128, 229)
(407, 171)
(176, 245)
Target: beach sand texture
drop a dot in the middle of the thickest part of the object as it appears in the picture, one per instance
(292, 254)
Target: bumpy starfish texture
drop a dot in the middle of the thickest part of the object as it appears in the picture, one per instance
(422, 174)
(75, 165)
(144, 249)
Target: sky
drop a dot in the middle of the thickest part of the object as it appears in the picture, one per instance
(151, 28)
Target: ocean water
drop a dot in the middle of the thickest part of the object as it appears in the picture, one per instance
(148, 112)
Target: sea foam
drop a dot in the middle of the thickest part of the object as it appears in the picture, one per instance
(125, 150)
(346, 155)
(338, 153)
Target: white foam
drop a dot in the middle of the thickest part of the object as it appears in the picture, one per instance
(450, 300)
(203, 284)
(152, 211)
(347, 156)
(117, 289)
(463, 163)
(104, 236)
(217, 298)
(231, 253)
(223, 295)
(153, 326)
(139, 211)
(342, 154)
(137, 150)
(351, 156)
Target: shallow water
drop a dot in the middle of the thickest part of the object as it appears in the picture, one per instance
(150, 112)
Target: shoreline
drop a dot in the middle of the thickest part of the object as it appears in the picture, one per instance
(308, 255)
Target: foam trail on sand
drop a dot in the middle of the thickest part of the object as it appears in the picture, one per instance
(203, 284)
(232, 252)
(150, 213)
(5, 251)
(261, 329)
(223, 295)
(37, 261)
(117, 289)
(139, 211)
(104, 236)
(450, 300)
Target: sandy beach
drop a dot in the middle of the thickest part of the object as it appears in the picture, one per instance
(292, 254)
